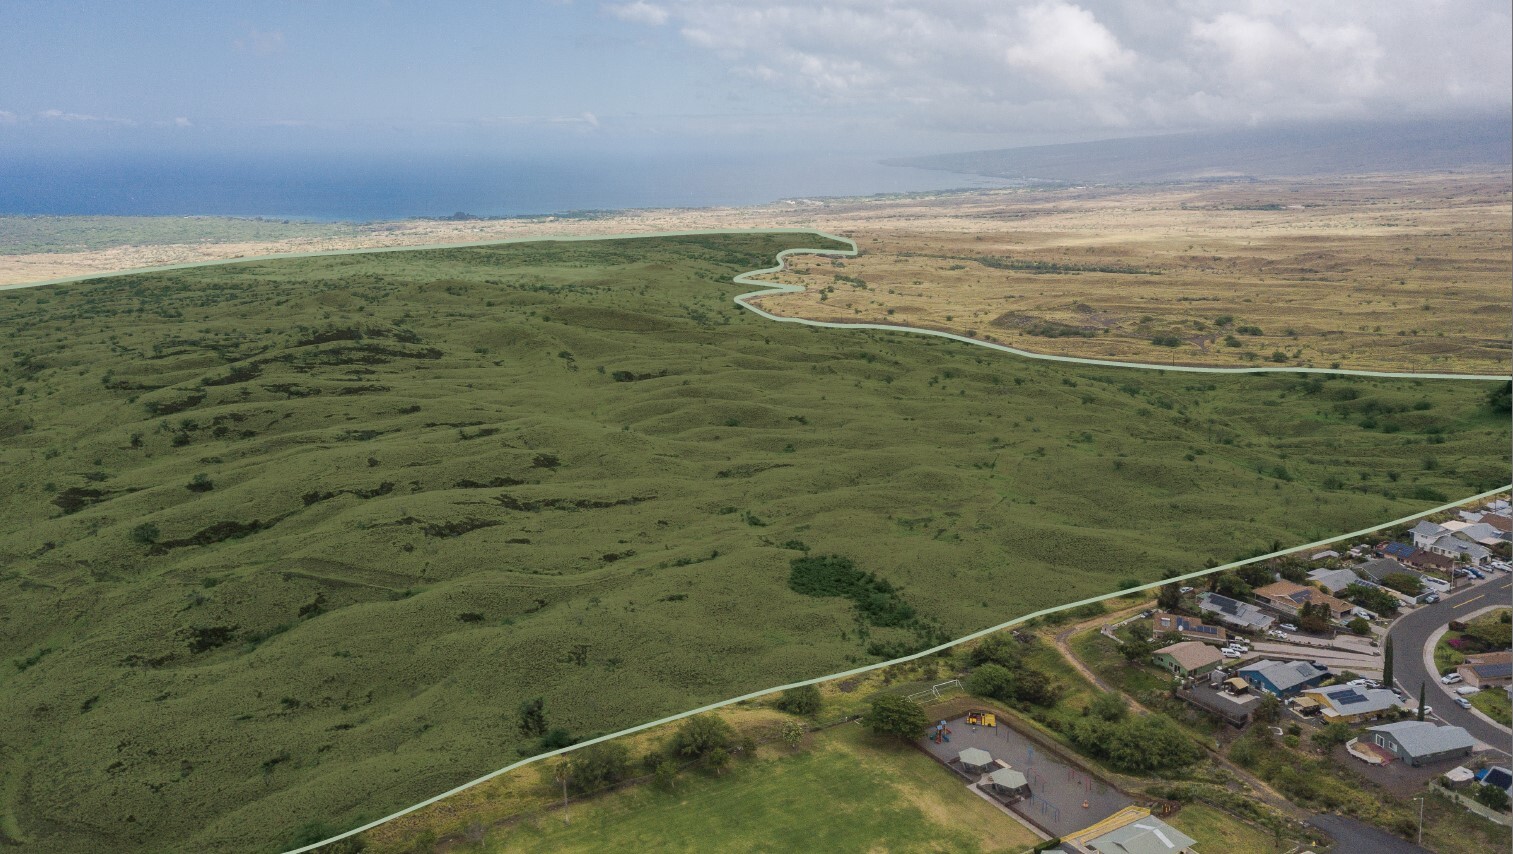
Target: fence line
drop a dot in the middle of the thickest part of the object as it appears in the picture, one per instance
(912, 657)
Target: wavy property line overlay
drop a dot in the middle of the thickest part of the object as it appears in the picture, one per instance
(769, 287)
(870, 667)
(773, 288)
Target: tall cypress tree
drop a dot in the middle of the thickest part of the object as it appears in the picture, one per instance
(1387, 662)
(1420, 701)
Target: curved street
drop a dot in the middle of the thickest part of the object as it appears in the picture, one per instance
(1409, 636)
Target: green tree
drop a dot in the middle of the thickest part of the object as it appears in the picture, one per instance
(596, 766)
(532, 722)
(1420, 701)
(897, 716)
(717, 760)
(1108, 705)
(145, 534)
(1269, 709)
(1387, 662)
(792, 733)
(1359, 626)
(1136, 649)
(1330, 735)
(803, 700)
(1492, 796)
(702, 734)
(665, 775)
(991, 680)
(1169, 596)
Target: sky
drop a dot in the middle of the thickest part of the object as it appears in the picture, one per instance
(876, 76)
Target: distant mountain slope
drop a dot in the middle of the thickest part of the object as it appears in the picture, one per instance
(1300, 150)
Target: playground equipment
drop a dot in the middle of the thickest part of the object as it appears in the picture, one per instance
(978, 718)
(941, 733)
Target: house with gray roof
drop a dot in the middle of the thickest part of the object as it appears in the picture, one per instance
(1426, 532)
(1453, 546)
(1376, 570)
(1283, 678)
(1149, 835)
(1418, 742)
(1476, 532)
(1349, 704)
(1333, 580)
(1231, 612)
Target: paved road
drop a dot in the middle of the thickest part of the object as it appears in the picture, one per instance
(1354, 837)
(1410, 634)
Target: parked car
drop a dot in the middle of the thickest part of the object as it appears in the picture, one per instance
(1288, 627)
(1474, 574)
(1276, 634)
(1184, 590)
(1463, 702)
(1467, 690)
(1357, 683)
(1372, 683)
(1450, 678)
(1431, 598)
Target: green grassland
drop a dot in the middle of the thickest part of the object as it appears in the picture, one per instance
(848, 791)
(291, 541)
(20, 235)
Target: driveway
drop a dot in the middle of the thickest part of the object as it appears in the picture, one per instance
(1412, 633)
(1354, 837)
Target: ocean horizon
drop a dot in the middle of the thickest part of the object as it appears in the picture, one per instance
(364, 189)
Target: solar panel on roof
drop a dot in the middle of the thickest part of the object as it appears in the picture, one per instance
(1348, 698)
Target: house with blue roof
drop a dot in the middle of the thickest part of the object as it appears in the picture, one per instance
(1283, 678)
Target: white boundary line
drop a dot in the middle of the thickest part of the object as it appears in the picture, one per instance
(770, 288)
(870, 667)
(741, 300)
(776, 288)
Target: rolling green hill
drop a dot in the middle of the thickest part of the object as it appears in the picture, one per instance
(290, 542)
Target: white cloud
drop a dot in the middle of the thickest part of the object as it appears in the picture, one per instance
(181, 122)
(56, 115)
(639, 12)
(1090, 65)
(7, 117)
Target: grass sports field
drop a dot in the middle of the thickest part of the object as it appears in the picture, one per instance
(291, 541)
(848, 791)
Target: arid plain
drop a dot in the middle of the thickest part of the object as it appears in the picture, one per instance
(1383, 272)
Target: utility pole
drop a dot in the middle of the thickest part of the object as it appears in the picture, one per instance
(1420, 821)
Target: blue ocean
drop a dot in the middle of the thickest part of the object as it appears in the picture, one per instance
(330, 187)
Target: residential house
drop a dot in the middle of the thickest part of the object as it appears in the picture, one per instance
(1426, 532)
(1487, 670)
(1501, 522)
(1476, 532)
(1333, 580)
(1188, 658)
(1234, 710)
(1323, 555)
(1441, 540)
(1349, 704)
(1376, 570)
(1287, 597)
(1132, 830)
(1235, 614)
(1283, 678)
(1418, 742)
(1398, 550)
(1190, 628)
(1430, 562)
